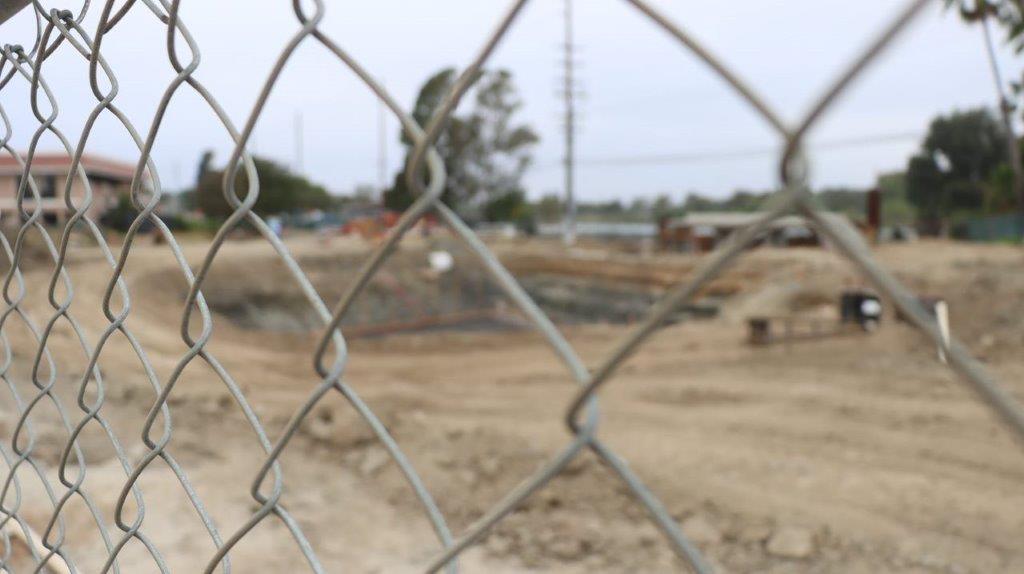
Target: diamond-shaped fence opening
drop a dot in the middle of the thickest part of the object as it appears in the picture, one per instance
(57, 378)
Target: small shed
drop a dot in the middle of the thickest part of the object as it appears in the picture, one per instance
(703, 231)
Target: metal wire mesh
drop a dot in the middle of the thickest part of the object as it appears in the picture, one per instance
(61, 30)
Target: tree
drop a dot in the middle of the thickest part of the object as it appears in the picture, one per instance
(662, 207)
(189, 197)
(971, 142)
(485, 153)
(550, 208)
(364, 193)
(280, 191)
(956, 160)
(508, 207)
(613, 207)
(1002, 197)
(895, 206)
(1008, 13)
(203, 168)
(399, 197)
(924, 187)
(740, 200)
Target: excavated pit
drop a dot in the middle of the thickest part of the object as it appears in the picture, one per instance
(408, 295)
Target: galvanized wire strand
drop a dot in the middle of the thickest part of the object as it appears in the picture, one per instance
(269, 502)
(426, 177)
(494, 267)
(723, 256)
(723, 71)
(49, 127)
(364, 411)
(518, 296)
(993, 60)
(145, 362)
(562, 349)
(78, 214)
(1006, 108)
(61, 308)
(959, 358)
(23, 452)
(158, 448)
(333, 374)
(12, 302)
(44, 11)
(522, 491)
(13, 307)
(10, 514)
(795, 139)
(792, 169)
(435, 168)
(42, 349)
(233, 389)
(428, 194)
(25, 411)
(428, 198)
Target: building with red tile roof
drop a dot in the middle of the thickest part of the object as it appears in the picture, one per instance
(108, 179)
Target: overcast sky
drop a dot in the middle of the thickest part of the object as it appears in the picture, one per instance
(644, 94)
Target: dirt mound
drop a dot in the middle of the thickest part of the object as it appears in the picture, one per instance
(834, 455)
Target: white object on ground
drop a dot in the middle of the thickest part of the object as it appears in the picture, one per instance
(55, 564)
(942, 316)
(871, 308)
(441, 261)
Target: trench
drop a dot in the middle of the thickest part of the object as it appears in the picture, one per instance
(406, 295)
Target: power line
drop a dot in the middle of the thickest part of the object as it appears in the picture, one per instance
(1006, 110)
(299, 149)
(570, 129)
(382, 148)
(710, 156)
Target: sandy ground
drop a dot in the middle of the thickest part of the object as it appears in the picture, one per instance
(849, 454)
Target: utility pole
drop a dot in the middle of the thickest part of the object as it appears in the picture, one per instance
(1006, 107)
(298, 142)
(569, 221)
(382, 149)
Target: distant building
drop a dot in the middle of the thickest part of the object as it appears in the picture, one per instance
(602, 229)
(108, 180)
(1005, 227)
(701, 232)
(502, 229)
(181, 204)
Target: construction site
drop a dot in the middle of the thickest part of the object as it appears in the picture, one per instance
(401, 318)
(859, 452)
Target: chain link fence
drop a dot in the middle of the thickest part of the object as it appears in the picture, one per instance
(24, 68)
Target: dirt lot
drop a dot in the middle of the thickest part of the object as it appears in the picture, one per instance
(847, 454)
